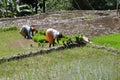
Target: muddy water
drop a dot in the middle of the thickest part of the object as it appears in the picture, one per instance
(23, 43)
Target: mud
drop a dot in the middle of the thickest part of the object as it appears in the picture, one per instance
(90, 23)
(23, 43)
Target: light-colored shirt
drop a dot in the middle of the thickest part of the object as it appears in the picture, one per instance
(27, 27)
(54, 32)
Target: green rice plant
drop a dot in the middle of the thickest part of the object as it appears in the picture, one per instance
(40, 38)
(64, 39)
(73, 38)
(10, 28)
(84, 63)
(42, 32)
(111, 40)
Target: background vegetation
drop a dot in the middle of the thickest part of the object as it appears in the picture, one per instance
(12, 8)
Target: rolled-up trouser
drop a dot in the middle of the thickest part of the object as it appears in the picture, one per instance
(49, 37)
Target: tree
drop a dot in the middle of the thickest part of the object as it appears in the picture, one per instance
(82, 4)
(44, 6)
(33, 3)
(118, 7)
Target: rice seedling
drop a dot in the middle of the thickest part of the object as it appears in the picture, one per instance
(111, 40)
(71, 64)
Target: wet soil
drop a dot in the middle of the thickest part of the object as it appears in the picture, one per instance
(23, 43)
(90, 23)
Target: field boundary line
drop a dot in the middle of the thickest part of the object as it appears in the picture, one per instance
(41, 51)
(62, 47)
(109, 49)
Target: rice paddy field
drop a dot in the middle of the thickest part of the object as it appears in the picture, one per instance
(13, 43)
(83, 63)
(80, 63)
(111, 40)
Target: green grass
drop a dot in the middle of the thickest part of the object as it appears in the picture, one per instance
(82, 63)
(112, 40)
(10, 28)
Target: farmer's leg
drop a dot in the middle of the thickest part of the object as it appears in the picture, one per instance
(28, 34)
(49, 38)
(49, 45)
(53, 42)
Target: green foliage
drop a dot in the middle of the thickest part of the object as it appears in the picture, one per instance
(7, 8)
(4, 29)
(94, 4)
(40, 38)
(111, 40)
(10, 8)
(103, 4)
(67, 38)
(58, 5)
(24, 10)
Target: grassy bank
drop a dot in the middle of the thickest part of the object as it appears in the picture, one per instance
(83, 63)
(112, 40)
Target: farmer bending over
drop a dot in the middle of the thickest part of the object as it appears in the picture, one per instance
(27, 31)
(51, 35)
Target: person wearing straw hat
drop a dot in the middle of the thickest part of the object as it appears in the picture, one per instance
(52, 35)
(27, 31)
